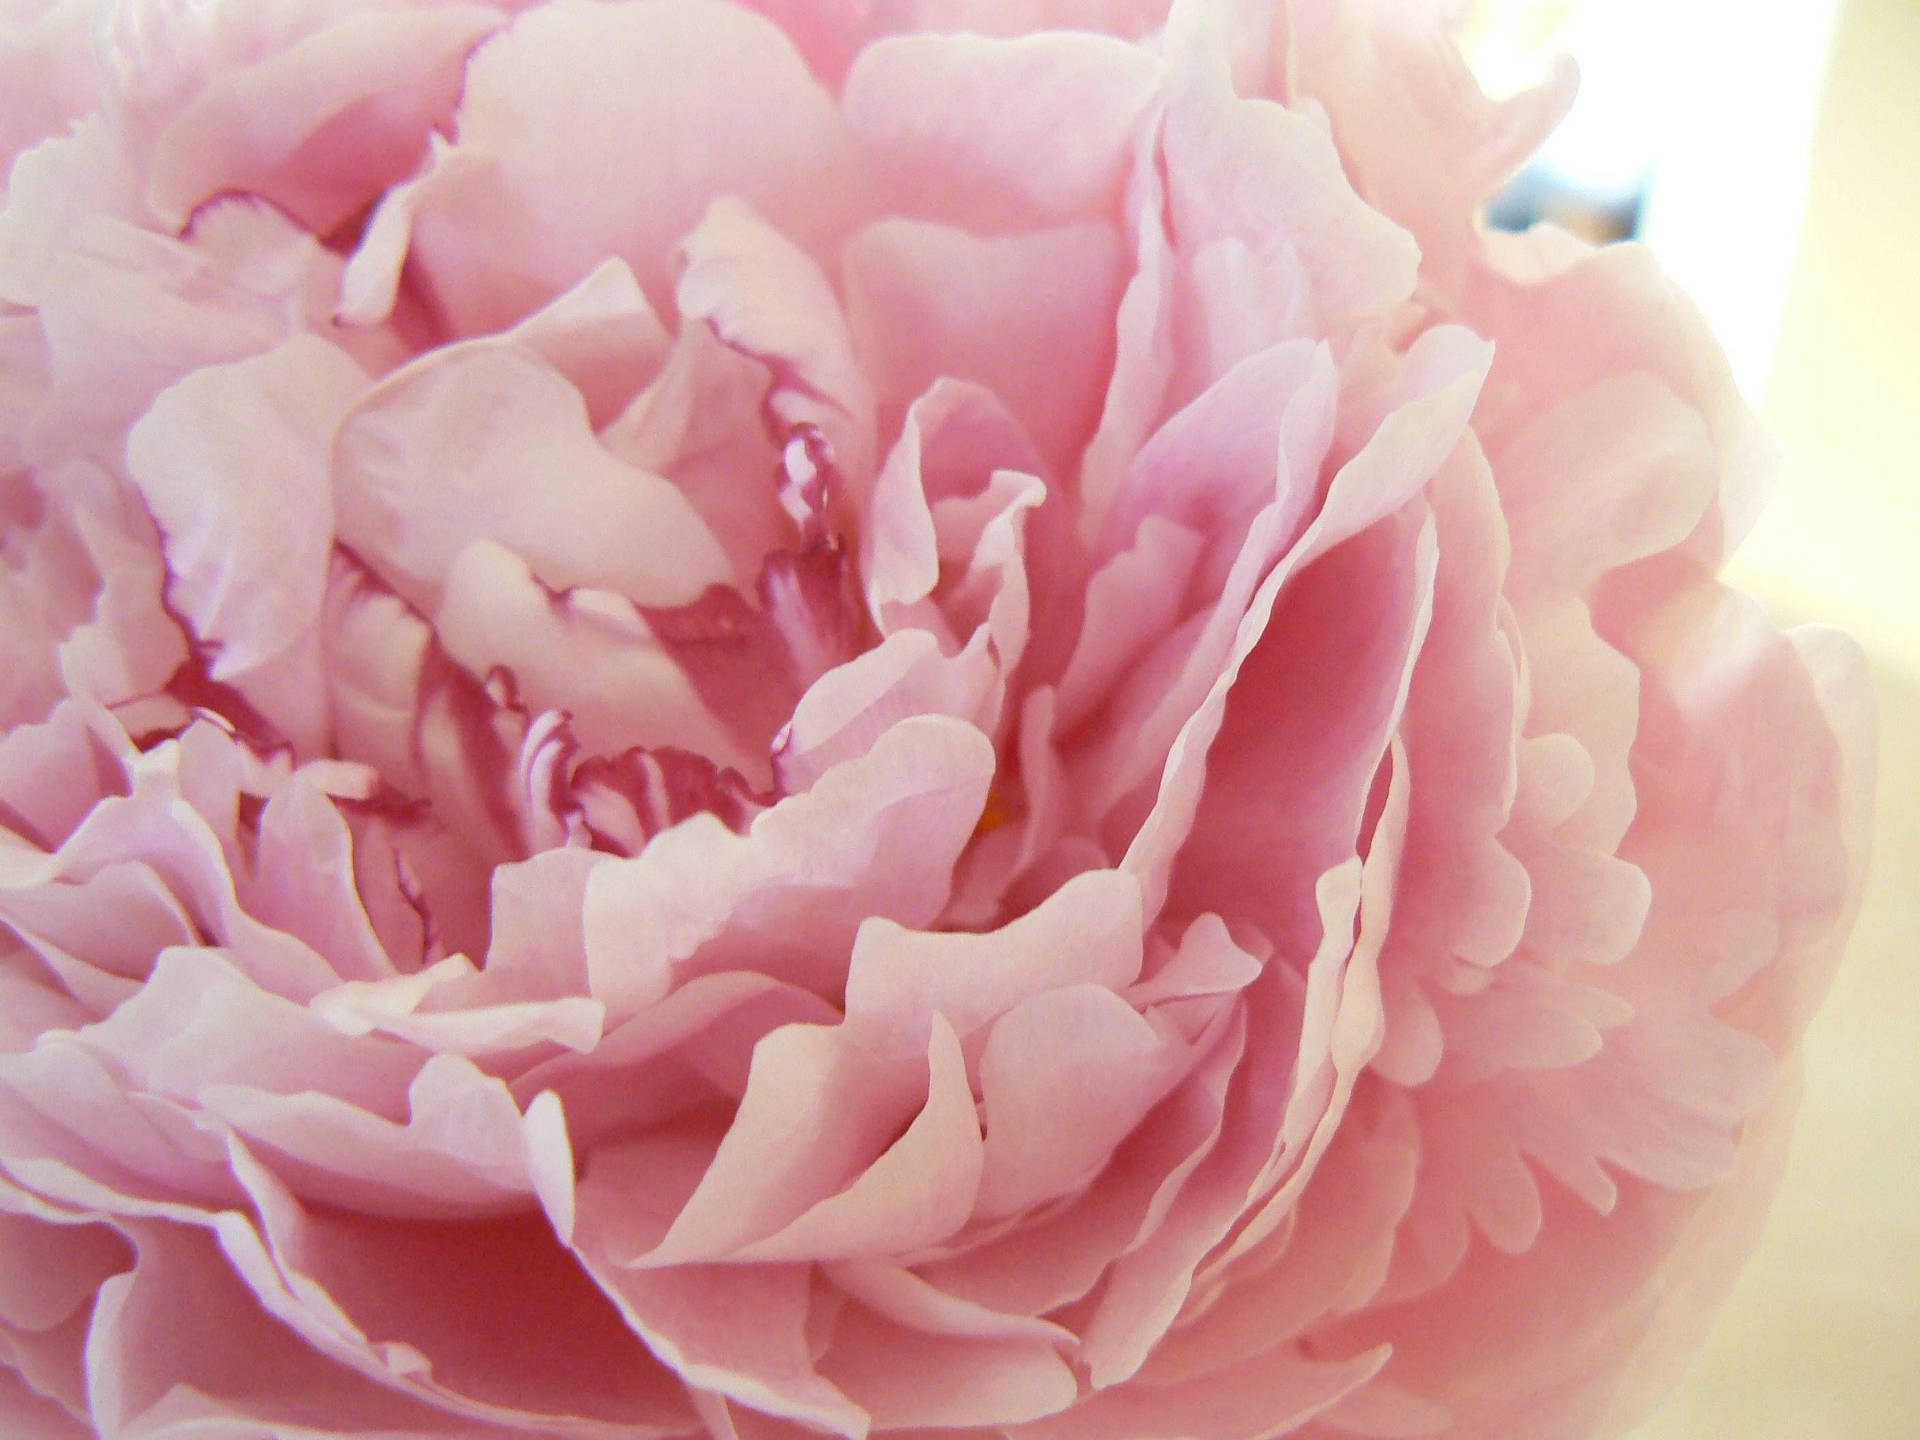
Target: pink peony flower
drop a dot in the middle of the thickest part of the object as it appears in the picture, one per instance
(867, 718)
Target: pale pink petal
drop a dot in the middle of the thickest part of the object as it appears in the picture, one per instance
(984, 131)
(246, 510)
(765, 297)
(917, 1193)
(748, 118)
(701, 424)
(492, 443)
(819, 1109)
(1065, 1075)
(180, 1344)
(323, 125)
(1131, 600)
(903, 1296)
(55, 185)
(684, 1052)
(1631, 317)
(1026, 315)
(1086, 933)
(1615, 473)
(1419, 138)
(48, 73)
(1270, 175)
(739, 1331)
(127, 312)
(954, 653)
(303, 881)
(464, 1149)
(589, 652)
(51, 1271)
(875, 836)
(904, 1379)
(1208, 961)
(1443, 371)
(1330, 1260)
(400, 1300)
(1271, 1396)
(1145, 1288)
(1058, 1257)
(1230, 453)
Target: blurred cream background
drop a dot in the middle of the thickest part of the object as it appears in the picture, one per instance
(1749, 132)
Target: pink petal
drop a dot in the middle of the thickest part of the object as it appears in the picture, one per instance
(765, 297)
(409, 1304)
(743, 115)
(1443, 373)
(739, 1331)
(1272, 1396)
(1032, 129)
(1419, 138)
(902, 1296)
(179, 1344)
(1258, 170)
(875, 836)
(246, 510)
(127, 313)
(1064, 1078)
(48, 72)
(439, 457)
(819, 1109)
(693, 1047)
(1086, 933)
(323, 125)
(917, 1193)
(464, 1149)
(589, 652)
(1025, 315)
(905, 1379)
(50, 1270)
(1331, 1260)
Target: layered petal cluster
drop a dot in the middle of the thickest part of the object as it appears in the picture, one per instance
(749, 718)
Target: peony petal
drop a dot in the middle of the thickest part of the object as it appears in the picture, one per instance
(1086, 933)
(400, 1301)
(904, 1379)
(875, 836)
(323, 125)
(47, 70)
(438, 459)
(1025, 315)
(739, 1331)
(127, 313)
(179, 1344)
(688, 1050)
(53, 1270)
(463, 1150)
(1034, 129)
(1268, 1397)
(1443, 372)
(819, 1109)
(589, 652)
(765, 297)
(1064, 1077)
(901, 1295)
(246, 511)
(1271, 176)
(917, 1193)
(750, 121)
